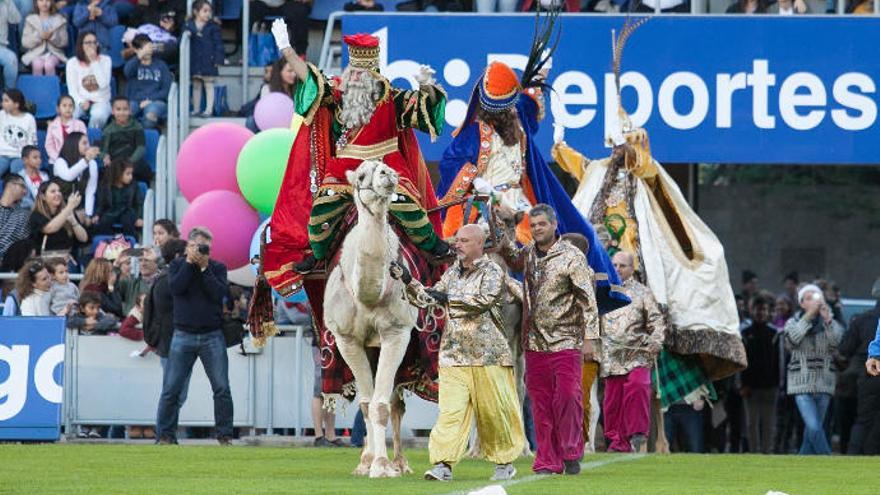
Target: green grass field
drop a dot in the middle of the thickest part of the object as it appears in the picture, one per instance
(99, 469)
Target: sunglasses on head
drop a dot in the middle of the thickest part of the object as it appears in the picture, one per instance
(35, 267)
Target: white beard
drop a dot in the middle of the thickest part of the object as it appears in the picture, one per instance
(360, 92)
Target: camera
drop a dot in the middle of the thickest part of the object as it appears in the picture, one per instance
(204, 249)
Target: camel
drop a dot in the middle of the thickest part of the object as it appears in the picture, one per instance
(369, 310)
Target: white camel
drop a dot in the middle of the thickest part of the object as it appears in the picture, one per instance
(364, 307)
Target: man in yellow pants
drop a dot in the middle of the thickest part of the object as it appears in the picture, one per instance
(476, 367)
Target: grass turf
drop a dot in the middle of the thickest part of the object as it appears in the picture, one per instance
(99, 469)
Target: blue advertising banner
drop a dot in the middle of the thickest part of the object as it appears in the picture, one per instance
(730, 89)
(31, 374)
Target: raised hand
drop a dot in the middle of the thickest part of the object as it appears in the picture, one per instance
(425, 76)
(279, 31)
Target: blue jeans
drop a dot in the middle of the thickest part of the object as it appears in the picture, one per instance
(684, 418)
(158, 110)
(358, 429)
(185, 390)
(813, 408)
(10, 164)
(9, 63)
(210, 348)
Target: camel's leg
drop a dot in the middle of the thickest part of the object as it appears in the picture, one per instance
(475, 451)
(394, 342)
(398, 408)
(355, 356)
(661, 445)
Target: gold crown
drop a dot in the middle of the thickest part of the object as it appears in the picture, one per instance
(364, 57)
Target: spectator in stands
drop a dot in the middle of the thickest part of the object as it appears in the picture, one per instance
(61, 126)
(45, 38)
(750, 287)
(198, 285)
(748, 7)
(812, 335)
(130, 287)
(759, 381)
(147, 83)
(53, 222)
(164, 230)
(18, 129)
(158, 307)
(100, 278)
(119, 202)
(163, 36)
(33, 286)
(131, 327)
(790, 7)
(9, 14)
(90, 319)
(858, 7)
(88, 80)
(76, 170)
(295, 12)
(95, 16)
(64, 294)
(782, 310)
(791, 282)
(666, 6)
(530, 5)
(124, 139)
(206, 55)
(32, 175)
(15, 245)
(363, 6)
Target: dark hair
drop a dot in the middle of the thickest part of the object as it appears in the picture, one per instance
(65, 97)
(140, 40)
(116, 171)
(52, 7)
(28, 149)
(168, 226)
(760, 300)
(543, 209)
(10, 178)
(70, 148)
(53, 263)
(198, 4)
(578, 240)
(120, 98)
(89, 297)
(505, 123)
(172, 249)
(80, 52)
(17, 97)
(276, 84)
(748, 276)
(26, 278)
(793, 276)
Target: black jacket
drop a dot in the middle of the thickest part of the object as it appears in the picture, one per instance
(158, 310)
(854, 346)
(761, 351)
(198, 295)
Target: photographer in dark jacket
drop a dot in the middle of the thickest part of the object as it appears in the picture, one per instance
(198, 286)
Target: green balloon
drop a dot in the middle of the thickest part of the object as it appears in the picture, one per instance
(261, 165)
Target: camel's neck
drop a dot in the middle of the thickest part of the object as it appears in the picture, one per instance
(373, 251)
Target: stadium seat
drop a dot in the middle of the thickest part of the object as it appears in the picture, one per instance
(152, 136)
(95, 135)
(143, 187)
(322, 10)
(41, 143)
(43, 91)
(230, 10)
(116, 45)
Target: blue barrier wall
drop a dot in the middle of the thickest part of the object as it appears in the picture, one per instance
(736, 89)
(31, 374)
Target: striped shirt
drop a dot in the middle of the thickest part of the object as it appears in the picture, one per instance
(13, 226)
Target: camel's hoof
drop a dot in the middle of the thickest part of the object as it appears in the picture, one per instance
(402, 465)
(382, 468)
(361, 470)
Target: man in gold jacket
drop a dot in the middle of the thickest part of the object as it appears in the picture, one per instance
(476, 366)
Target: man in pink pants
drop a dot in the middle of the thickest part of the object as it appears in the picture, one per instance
(632, 337)
(560, 321)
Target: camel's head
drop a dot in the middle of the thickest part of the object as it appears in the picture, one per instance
(373, 182)
(506, 219)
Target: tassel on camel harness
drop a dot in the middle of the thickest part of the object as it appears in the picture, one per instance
(261, 317)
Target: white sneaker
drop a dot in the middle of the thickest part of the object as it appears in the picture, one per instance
(503, 472)
(440, 472)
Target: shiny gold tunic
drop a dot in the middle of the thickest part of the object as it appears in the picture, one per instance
(632, 335)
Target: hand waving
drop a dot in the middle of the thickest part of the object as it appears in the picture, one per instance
(425, 75)
(279, 31)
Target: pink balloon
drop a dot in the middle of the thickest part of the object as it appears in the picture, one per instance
(230, 219)
(274, 110)
(207, 159)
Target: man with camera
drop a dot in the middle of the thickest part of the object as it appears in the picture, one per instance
(198, 286)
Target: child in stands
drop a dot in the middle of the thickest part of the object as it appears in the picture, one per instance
(61, 126)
